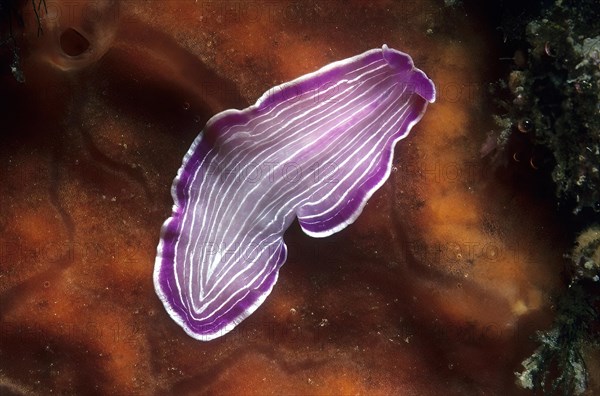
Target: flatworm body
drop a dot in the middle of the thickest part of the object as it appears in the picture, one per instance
(315, 148)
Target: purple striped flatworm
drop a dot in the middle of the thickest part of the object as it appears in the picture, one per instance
(315, 148)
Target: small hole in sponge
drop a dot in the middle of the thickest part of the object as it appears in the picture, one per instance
(73, 43)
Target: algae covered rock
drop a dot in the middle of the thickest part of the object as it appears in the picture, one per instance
(555, 98)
